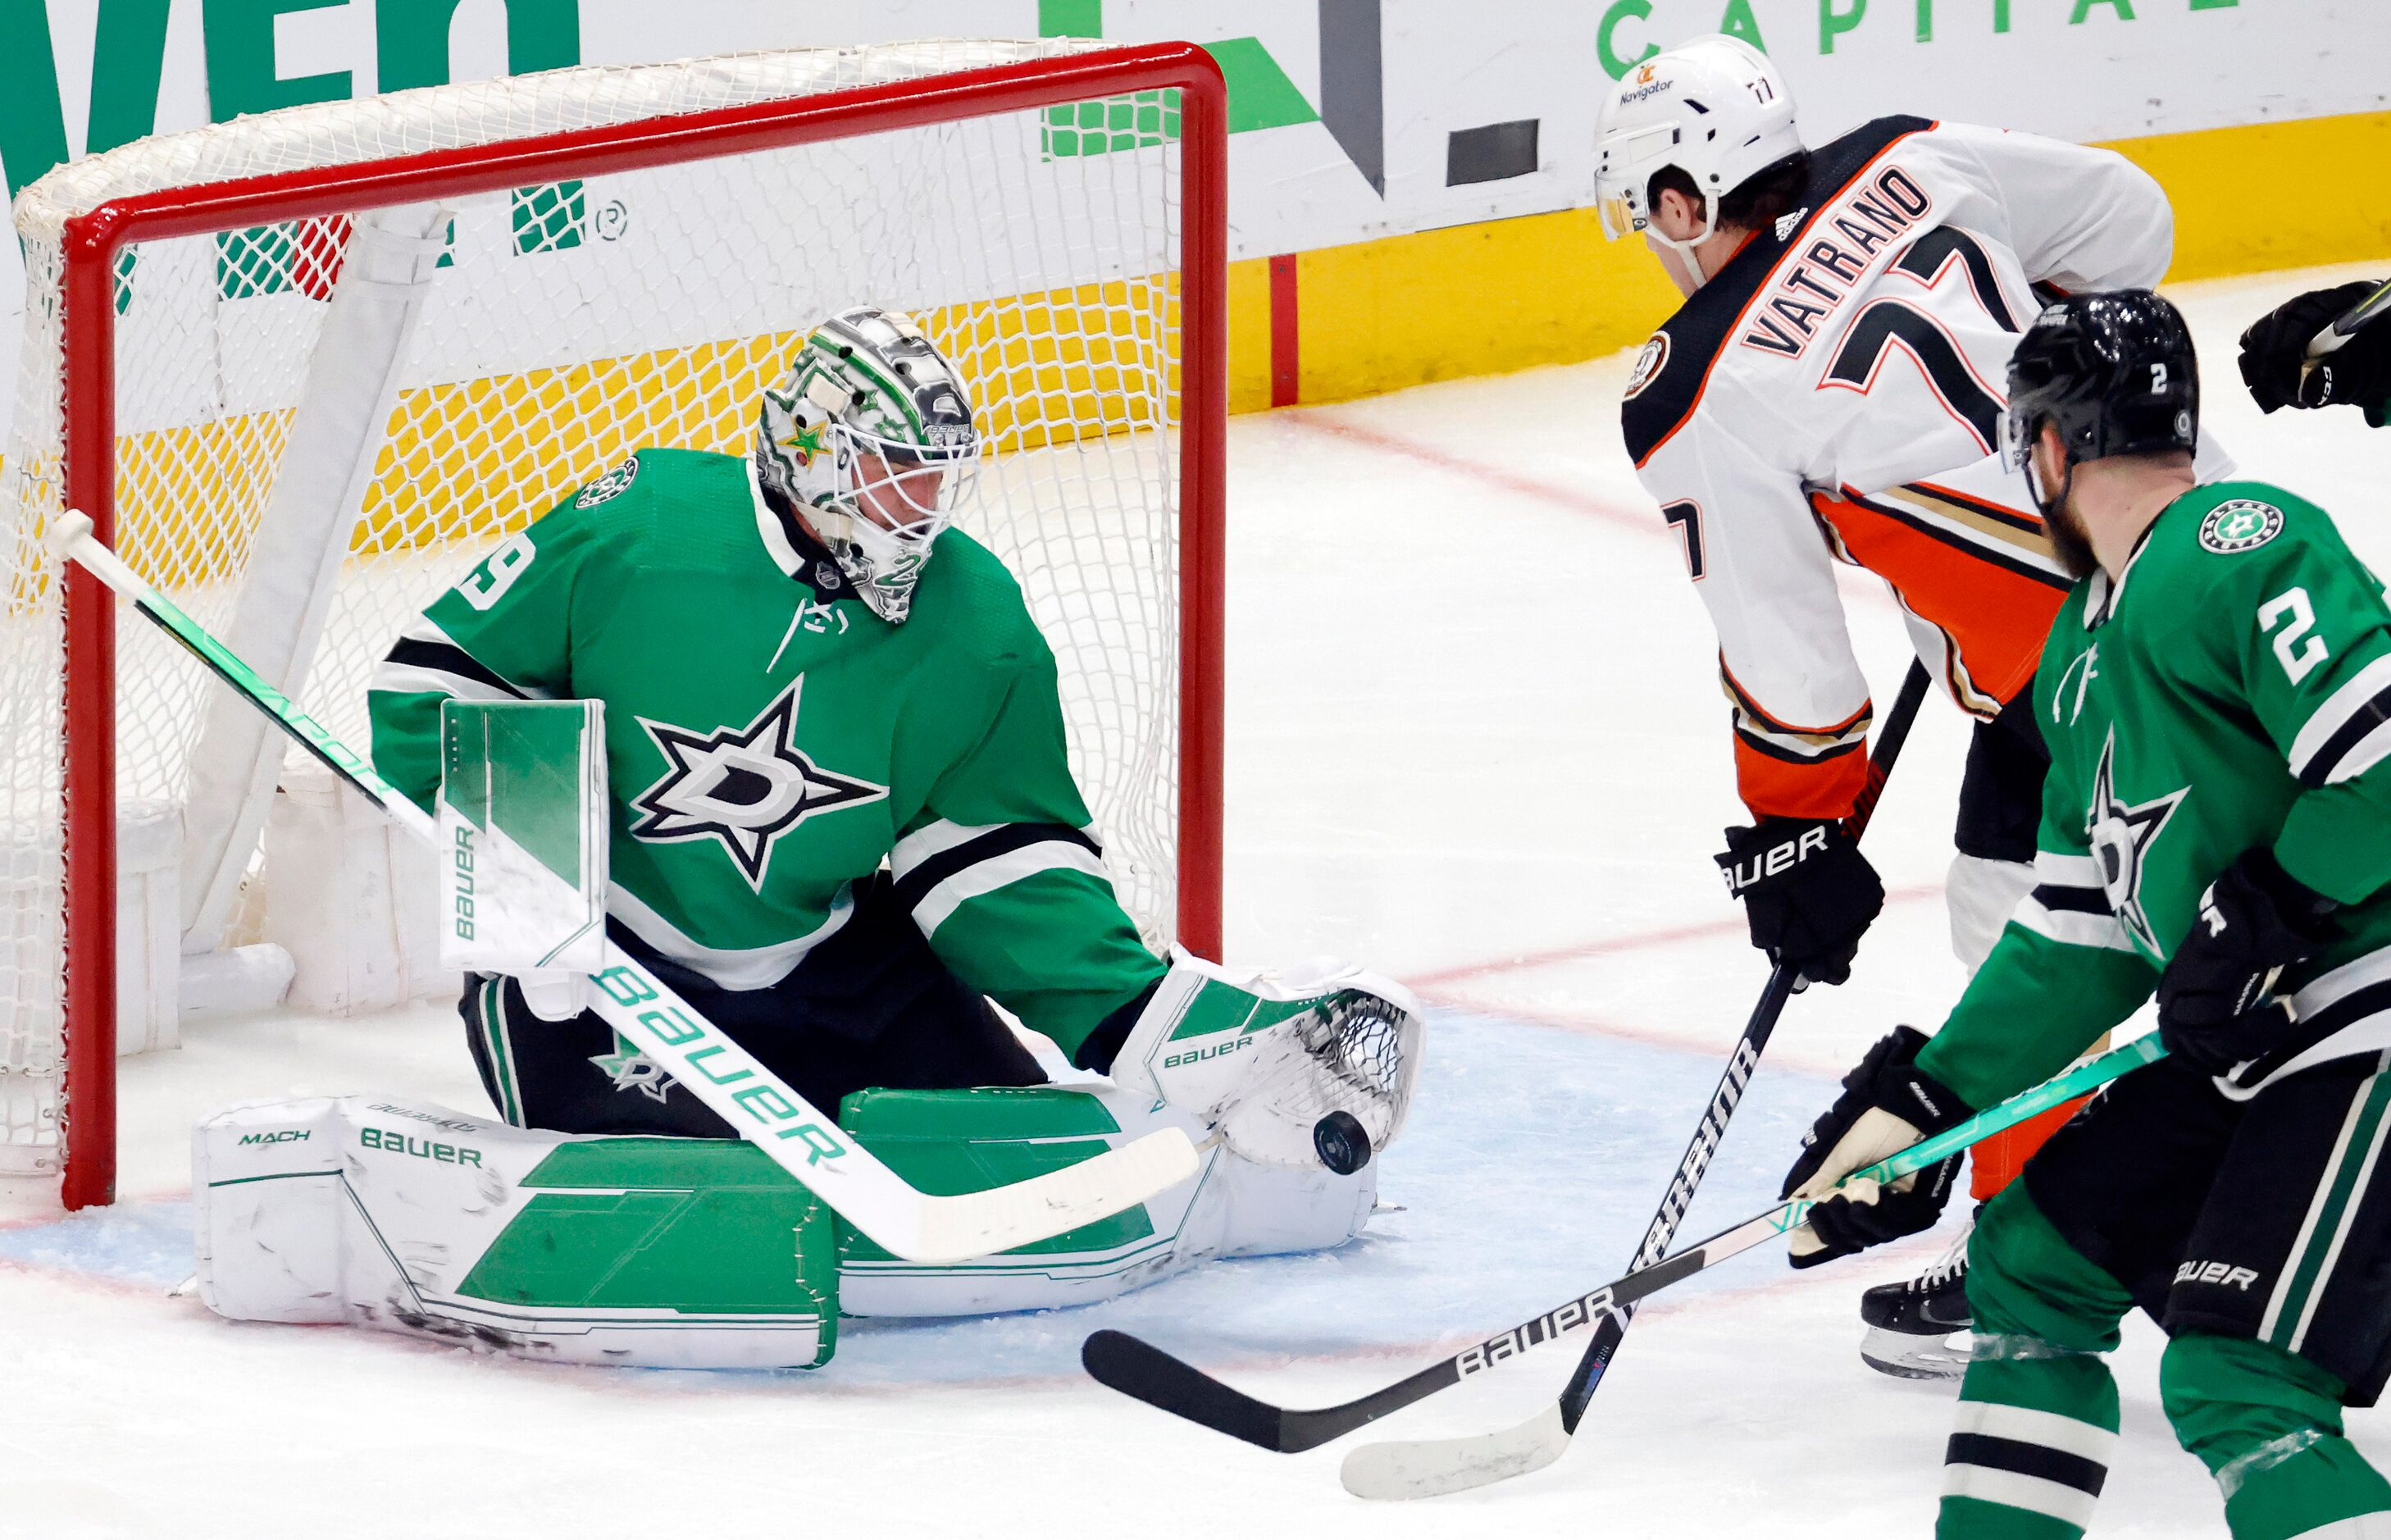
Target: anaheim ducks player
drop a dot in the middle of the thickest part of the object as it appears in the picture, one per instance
(843, 818)
(1831, 391)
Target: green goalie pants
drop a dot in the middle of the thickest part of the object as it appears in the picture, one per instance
(2257, 1237)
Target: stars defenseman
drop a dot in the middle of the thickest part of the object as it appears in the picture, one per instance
(2215, 830)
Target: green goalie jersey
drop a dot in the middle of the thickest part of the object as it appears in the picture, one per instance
(2231, 688)
(770, 742)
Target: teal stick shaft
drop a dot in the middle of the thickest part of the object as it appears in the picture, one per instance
(2065, 1087)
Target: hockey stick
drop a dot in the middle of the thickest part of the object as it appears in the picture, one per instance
(2345, 326)
(737, 1087)
(1428, 1467)
(2336, 334)
(1137, 1369)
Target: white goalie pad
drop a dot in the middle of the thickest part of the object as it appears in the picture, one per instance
(684, 1254)
(409, 1217)
(523, 835)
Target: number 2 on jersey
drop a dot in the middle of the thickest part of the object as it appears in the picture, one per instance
(487, 584)
(2293, 602)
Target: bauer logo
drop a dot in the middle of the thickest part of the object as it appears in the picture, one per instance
(2245, 523)
(1218, 1050)
(460, 909)
(2223, 1274)
(392, 1143)
(1543, 1329)
(1648, 364)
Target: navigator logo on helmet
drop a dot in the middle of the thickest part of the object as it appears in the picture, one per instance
(1714, 108)
(871, 438)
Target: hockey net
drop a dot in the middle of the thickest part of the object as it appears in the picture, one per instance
(303, 462)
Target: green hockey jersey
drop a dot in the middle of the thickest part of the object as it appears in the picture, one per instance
(2231, 688)
(770, 742)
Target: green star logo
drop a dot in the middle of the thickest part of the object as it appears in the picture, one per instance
(805, 443)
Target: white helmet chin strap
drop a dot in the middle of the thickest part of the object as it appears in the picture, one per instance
(1683, 249)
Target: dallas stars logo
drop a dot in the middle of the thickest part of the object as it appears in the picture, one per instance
(2120, 834)
(631, 1069)
(744, 786)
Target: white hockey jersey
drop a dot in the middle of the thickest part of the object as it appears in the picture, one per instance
(1834, 393)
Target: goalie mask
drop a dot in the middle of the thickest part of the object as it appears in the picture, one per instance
(871, 438)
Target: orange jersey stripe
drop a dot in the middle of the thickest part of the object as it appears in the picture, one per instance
(1996, 612)
(1776, 787)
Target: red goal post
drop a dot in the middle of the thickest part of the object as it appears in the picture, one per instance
(93, 240)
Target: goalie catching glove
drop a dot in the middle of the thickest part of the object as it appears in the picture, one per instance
(1888, 1104)
(1263, 1060)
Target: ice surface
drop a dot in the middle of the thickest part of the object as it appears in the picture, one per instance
(1474, 741)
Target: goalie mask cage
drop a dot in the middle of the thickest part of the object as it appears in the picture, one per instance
(302, 369)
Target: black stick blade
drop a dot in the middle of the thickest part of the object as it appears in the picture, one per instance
(1138, 1368)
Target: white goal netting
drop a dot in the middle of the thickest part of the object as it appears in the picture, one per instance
(320, 422)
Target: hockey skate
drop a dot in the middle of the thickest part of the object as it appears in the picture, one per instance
(1910, 1323)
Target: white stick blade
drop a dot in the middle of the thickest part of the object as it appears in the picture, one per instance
(69, 527)
(1400, 1471)
(979, 1224)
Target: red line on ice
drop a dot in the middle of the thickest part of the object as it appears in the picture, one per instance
(1561, 497)
(1632, 941)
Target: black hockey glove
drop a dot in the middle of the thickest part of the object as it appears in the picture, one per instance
(1888, 1104)
(1808, 894)
(2275, 347)
(2214, 1004)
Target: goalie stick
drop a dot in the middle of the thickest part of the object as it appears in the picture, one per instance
(801, 1140)
(1428, 1468)
(1138, 1368)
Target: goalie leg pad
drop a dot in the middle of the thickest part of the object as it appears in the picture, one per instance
(672, 1253)
(966, 1141)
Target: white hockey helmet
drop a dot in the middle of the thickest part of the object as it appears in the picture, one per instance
(1714, 108)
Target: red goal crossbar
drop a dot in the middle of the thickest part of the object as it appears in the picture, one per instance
(88, 1123)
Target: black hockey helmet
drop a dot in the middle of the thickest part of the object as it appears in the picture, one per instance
(2113, 372)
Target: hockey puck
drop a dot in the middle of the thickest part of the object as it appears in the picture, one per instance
(1342, 1143)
